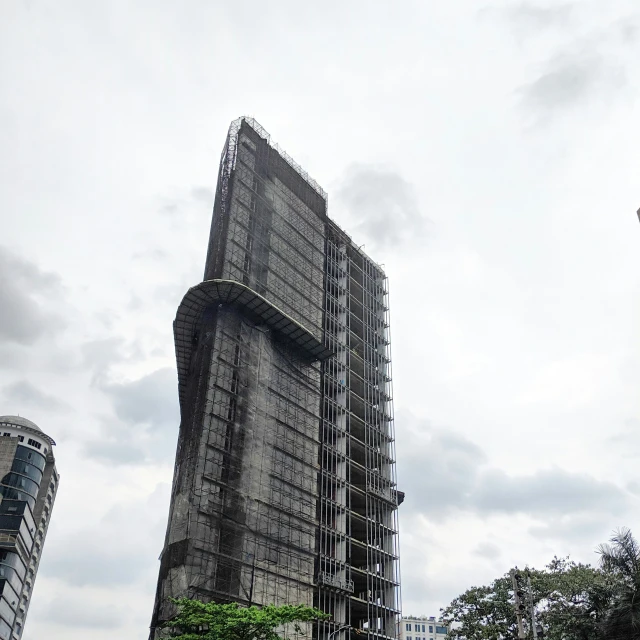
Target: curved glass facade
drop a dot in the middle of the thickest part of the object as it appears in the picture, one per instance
(30, 456)
(13, 560)
(10, 493)
(26, 469)
(12, 578)
(21, 482)
(6, 611)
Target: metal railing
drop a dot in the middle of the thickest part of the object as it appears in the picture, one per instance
(334, 581)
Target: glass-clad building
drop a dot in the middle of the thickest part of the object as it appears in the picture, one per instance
(28, 485)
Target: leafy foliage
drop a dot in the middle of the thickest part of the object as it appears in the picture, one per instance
(211, 621)
(487, 613)
(571, 602)
(621, 560)
(483, 613)
(574, 600)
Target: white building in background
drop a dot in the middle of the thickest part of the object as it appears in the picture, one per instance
(422, 628)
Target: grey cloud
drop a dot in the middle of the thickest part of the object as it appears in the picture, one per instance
(184, 202)
(442, 480)
(88, 557)
(171, 294)
(101, 354)
(586, 67)
(74, 613)
(382, 206)
(169, 209)
(25, 291)
(460, 446)
(14, 356)
(135, 303)
(107, 318)
(585, 527)
(26, 273)
(21, 359)
(113, 451)
(572, 79)
(488, 550)
(625, 442)
(23, 393)
(547, 491)
(149, 400)
(629, 30)
(533, 16)
(454, 476)
(147, 421)
(155, 254)
(634, 487)
(203, 194)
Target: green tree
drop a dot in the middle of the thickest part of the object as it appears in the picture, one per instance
(483, 613)
(197, 620)
(571, 601)
(620, 559)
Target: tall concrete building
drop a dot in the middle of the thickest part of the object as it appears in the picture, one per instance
(284, 487)
(28, 486)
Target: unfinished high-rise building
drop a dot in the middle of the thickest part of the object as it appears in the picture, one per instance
(284, 486)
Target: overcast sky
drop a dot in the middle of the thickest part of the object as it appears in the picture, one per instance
(486, 153)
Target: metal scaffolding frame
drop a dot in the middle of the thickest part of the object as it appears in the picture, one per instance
(359, 536)
(284, 487)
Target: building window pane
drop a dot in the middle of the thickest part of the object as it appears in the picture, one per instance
(5, 629)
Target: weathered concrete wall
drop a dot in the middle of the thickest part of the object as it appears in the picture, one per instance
(7, 454)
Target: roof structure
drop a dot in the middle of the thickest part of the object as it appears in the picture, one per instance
(27, 425)
(217, 292)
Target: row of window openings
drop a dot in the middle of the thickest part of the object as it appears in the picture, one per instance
(249, 172)
(30, 441)
(343, 257)
(300, 263)
(298, 233)
(372, 306)
(417, 628)
(340, 285)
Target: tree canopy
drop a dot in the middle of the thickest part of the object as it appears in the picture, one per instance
(197, 620)
(573, 601)
(620, 559)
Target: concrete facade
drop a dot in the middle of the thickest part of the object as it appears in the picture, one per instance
(284, 485)
(28, 486)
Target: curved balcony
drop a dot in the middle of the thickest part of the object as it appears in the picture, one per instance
(215, 292)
